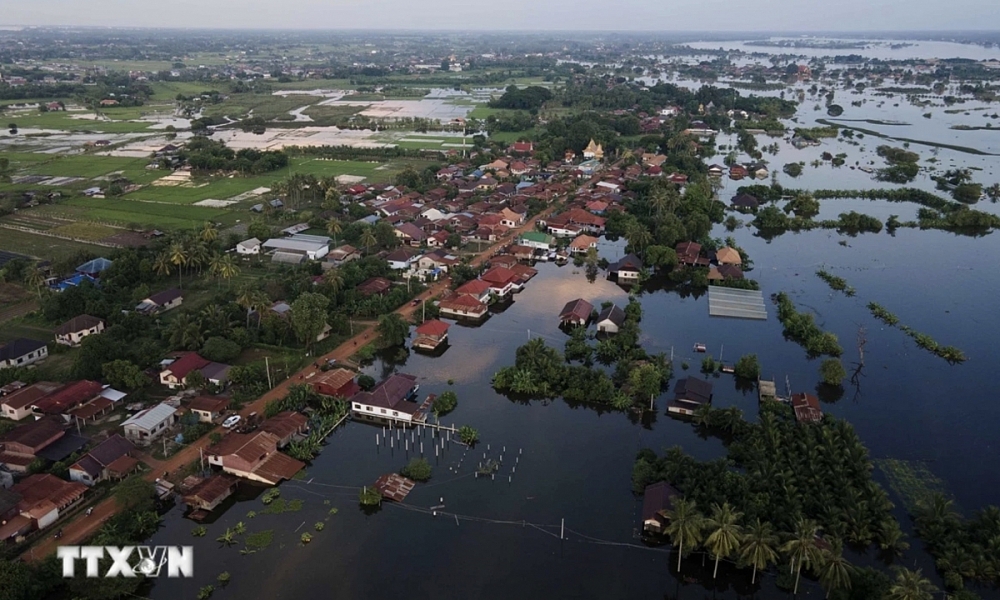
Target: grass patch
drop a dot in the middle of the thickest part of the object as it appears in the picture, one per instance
(281, 506)
(64, 121)
(259, 540)
(965, 149)
(84, 231)
(268, 106)
(42, 246)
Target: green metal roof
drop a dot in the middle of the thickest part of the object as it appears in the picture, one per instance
(537, 236)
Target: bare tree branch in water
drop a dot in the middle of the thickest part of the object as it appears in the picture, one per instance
(860, 365)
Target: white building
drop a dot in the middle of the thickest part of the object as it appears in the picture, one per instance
(311, 247)
(249, 247)
(145, 426)
(22, 352)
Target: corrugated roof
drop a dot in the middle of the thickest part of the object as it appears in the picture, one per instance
(151, 417)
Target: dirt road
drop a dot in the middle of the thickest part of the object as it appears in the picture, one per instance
(82, 527)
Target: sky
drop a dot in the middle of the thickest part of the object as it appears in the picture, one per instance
(533, 15)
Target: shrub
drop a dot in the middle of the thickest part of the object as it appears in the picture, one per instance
(418, 469)
(832, 372)
(747, 367)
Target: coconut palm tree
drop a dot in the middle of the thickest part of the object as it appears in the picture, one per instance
(334, 227)
(260, 303)
(911, 585)
(185, 332)
(334, 280)
(178, 257)
(198, 255)
(34, 278)
(758, 547)
(724, 532)
(802, 548)
(368, 239)
(834, 570)
(162, 265)
(245, 299)
(209, 233)
(638, 237)
(223, 266)
(685, 527)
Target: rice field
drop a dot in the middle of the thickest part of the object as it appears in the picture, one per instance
(42, 246)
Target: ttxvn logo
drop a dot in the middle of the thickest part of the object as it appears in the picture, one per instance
(179, 560)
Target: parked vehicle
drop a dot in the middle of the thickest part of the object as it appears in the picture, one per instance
(231, 422)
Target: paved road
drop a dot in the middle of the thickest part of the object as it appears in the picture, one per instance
(82, 527)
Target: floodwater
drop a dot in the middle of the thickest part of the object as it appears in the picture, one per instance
(574, 462)
(880, 49)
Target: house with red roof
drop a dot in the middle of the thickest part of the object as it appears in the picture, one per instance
(67, 397)
(463, 306)
(476, 288)
(431, 334)
(502, 281)
(175, 374)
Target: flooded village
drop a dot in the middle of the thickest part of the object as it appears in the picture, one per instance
(740, 301)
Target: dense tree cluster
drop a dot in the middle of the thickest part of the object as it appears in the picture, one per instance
(209, 155)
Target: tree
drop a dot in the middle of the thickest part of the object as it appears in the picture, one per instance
(834, 570)
(747, 367)
(802, 548)
(185, 332)
(392, 330)
(220, 349)
(135, 494)
(162, 264)
(758, 547)
(725, 532)
(832, 372)
(209, 233)
(368, 239)
(334, 228)
(661, 257)
(34, 278)
(911, 585)
(334, 280)
(224, 267)
(645, 381)
(124, 374)
(685, 527)
(445, 403)
(178, 257)
(369, 496)
(418, 469)
(309, 317)
(468, 435)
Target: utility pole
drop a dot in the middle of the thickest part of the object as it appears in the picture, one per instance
(267, 368)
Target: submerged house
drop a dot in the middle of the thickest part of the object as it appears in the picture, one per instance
(390, 400)
(431, 334)
(610, 319)
(628, 269)
(689, 394)
(576, 312)
(657, 500)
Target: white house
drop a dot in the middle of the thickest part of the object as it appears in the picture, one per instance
(388, 401)
(146, 425)
(312, 247)
(22, 352)
(610, 320)
(160, 302)
(249, 247)
(402, 258)
(72, 332)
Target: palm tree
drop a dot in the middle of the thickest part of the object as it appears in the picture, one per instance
(911, 585)
(834, 570)
(260, 303)
(368, 238)
(724, 538)
(638, 237)
(34, 278)
(245, 299)
(223, 266)
(178, 258)
(198, 255)
(685, 527)
(209, 233)
(802, 548)
(334, 227)
(185, 332)
(334, 279)
(759, 547)
(162, 264)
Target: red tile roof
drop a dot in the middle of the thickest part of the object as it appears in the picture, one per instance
(499, 276)
(475, 287)
(432, 327)
(189, 362)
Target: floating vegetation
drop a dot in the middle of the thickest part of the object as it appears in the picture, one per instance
(488, 467)
(199, 531)
(224, 578)
(949, 353)
(369, 496)
(306, 537)
(206, 592)
(912, 481)
(333, 511)
(319, 525)
(836, 283)
(281, 505)
(270, 495)
(251, 514)
(259, 540)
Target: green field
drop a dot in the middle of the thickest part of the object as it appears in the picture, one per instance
(168, 90)
(313, 84)
(89, 166)
(64, 121)
(124, 212)
(42, 246)
(268, 106)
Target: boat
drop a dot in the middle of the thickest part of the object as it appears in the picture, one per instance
(700, 348)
